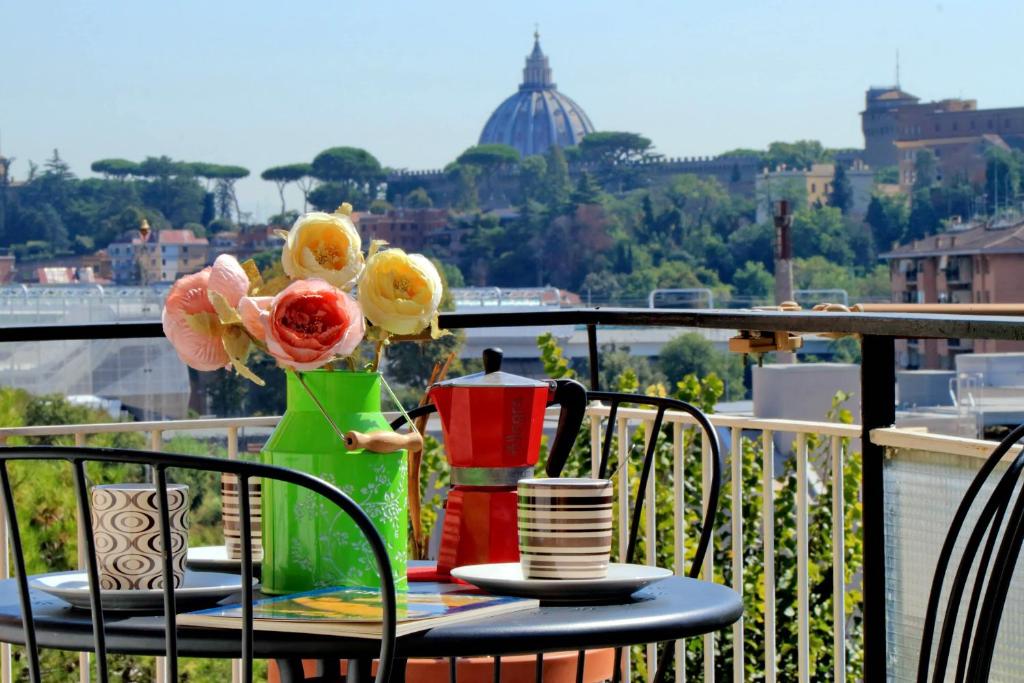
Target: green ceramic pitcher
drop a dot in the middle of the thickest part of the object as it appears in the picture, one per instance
(308, 542)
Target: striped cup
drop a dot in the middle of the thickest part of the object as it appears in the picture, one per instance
(565, 528)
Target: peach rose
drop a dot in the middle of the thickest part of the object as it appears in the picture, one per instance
(191, 323)
(228, 279)
(251, 308)
(310, 323)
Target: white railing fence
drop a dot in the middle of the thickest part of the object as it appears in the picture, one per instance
(155, 431)
(833, 439)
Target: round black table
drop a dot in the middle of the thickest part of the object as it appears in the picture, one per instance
(671, 609)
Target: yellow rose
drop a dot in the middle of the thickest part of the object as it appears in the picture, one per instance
(323, 245)
(400, 292)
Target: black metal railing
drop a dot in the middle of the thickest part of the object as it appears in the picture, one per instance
(877, 333)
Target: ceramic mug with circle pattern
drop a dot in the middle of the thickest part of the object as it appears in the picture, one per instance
(126, 530)
(565, 528)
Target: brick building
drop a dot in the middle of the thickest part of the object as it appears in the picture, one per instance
(897, 124)
(976, 263)
(408, 229)
(959, 159)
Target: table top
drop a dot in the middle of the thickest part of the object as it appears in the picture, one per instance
(674, 608)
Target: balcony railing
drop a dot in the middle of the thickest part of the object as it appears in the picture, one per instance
(763, 431)
(877, 334)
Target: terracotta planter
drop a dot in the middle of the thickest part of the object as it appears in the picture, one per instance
(559, 667)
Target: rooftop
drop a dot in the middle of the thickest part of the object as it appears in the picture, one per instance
(982, 238)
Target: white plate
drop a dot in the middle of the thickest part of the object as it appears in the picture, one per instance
(507, 579)
(214, 558)
(199, 588)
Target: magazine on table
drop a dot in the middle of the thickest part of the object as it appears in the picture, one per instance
(357, 612)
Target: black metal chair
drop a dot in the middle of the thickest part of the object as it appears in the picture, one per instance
(614, 400)
(991, 573)
(554, 468)
(160, 463)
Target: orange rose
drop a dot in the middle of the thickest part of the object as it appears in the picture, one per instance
(311, 323)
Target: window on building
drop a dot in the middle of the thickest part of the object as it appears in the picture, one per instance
(954, 125)
(814, 187)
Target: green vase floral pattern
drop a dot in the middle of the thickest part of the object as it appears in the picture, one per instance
(309, 542)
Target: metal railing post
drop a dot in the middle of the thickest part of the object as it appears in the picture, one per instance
(878, 409)
(593, 358)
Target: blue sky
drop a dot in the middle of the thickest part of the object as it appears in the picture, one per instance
(262, 83)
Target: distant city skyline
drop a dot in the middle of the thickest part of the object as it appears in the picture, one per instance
(261, 84)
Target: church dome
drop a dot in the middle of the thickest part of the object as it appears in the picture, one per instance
(537, 116)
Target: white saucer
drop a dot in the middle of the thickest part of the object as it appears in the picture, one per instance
(214, 558)
(199, 588)
(507, 579)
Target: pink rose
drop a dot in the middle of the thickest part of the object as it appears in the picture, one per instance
(191, 318)
(191, 323)
(311, 323)
(228, 279)
(251, 308)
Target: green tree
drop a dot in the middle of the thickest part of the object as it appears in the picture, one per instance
(801, 154)
(1002, 178)
(926, 168)
(587, 191)
(841, 196)
(616, 147)
(557, 184)
(887, 215)
(754, 280)
(282, 175)
(753, 242)
(691, 353)
(465, 179)
(115, 168)
(492, 161)
(179, 198)
(924, 220)
(418, 199)
(532, 174)
(350, 167)
(887, 175)
(227, 177)
(329, 196)
(489, 156)
(617, 156)
(822, 231)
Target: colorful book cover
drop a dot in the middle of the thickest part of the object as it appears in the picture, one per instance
(358, 612)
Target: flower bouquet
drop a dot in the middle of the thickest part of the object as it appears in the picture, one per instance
(310, 319)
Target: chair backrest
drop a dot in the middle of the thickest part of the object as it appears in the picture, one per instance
(614, 400)
(160, 463)
(983, 580)
(662, 405)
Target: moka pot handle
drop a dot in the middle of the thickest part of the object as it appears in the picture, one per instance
(572, 397)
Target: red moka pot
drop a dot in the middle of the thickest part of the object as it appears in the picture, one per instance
(492, 423)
